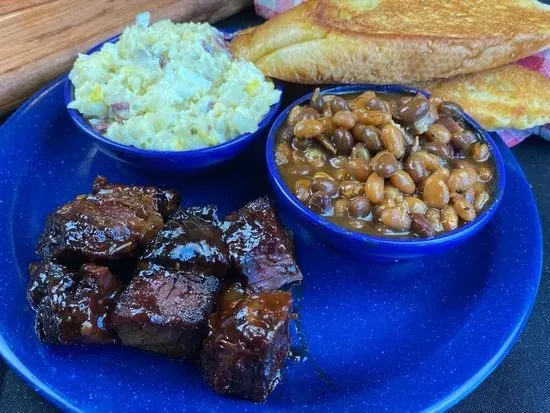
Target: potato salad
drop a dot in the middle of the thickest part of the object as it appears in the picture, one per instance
(171, 87)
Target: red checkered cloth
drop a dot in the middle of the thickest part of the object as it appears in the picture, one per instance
(539, 62)
(270, 8)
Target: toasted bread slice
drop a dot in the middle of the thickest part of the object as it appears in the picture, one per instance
(394, 41)
(509, 96)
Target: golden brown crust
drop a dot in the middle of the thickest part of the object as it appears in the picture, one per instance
(509, 96)
(329, 41)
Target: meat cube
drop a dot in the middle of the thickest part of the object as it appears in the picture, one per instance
(46, 277)
(259, 247)
(113, 224)
(189, 243)
(208, 213)
(166, 311)
(247, 343)
(165, 201)
(77, 309)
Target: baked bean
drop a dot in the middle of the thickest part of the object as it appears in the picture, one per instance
(338, 103)
(396, 218)
(317, 101)
(453, 126)
(359, 207)
(360, 102)
(438, 133)
(384, 164)
(339, 161)
(377, 104)
(464, 209)
(442, 172)
(341, 207)
(366, 96)
(419, 165)
(344, 119)
(283, 154)
(302, 189)
(373, 117)
(358, 169)
(480, 200)
(440, 149)
(449, 218)
(452, 109)
(411, 110)
(343, 141)
(461, 179)
(369, 135)
(351, 189)
(464, 139)
(484, 174)
(307, 129)
(391, 192)
(480, 152)
(392, 138)
(432, 162)
(416, 168)
(382, 206)
(420, 225)
(327, 144)
(308, 114)
(326, 185)
(403, 181)
(374, 188)
(435, 192)
(328, 125)
(434, 217)
(416, 206)
(320, 203)
(360, 151)
(294, 113)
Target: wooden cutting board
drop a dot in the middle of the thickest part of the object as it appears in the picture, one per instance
(39, 39)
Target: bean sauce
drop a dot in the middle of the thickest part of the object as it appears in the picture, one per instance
(386, 164)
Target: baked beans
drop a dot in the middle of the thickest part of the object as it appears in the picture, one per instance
(397, 166)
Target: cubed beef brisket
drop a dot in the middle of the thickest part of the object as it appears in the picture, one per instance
(259, 247)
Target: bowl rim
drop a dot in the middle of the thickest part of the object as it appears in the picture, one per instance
(319, 221)
(80, 121)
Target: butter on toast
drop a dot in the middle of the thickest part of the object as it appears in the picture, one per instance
(394, 41)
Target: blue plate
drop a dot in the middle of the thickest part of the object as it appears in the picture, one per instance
(402, 336)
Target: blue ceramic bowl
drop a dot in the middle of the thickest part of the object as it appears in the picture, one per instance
(167, 161)
(369, 246)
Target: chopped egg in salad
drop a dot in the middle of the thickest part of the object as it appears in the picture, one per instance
(171, 87)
